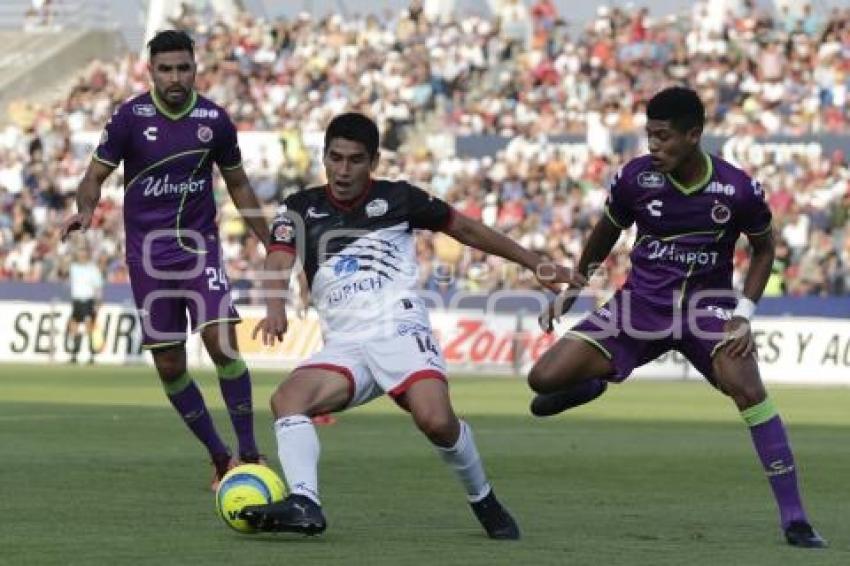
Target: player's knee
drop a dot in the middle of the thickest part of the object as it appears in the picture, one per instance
(745, 395)
(169, 372)
(540, 379)
(170, 364)
(288, 400)
(441, 427)
(220, 353)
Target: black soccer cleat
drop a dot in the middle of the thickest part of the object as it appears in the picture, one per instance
(800, 533)
(495, 519)
(295, 514)
(548, 404)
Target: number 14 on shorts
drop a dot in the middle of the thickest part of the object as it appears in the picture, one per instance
(426, 343)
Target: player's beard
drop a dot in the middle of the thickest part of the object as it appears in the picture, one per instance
(176, 97)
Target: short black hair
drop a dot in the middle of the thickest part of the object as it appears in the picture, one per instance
(356, 127)
(680, 105)
(171, 40)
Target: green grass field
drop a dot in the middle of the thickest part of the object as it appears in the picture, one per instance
(97, 469)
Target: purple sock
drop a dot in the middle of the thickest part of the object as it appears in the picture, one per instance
(188, 401)
(774, 451)
(235, 382)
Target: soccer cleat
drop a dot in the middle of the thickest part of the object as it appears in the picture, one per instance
(295, 514)
(800, 533)
(548, 404)
(495, 519)
(222, 463)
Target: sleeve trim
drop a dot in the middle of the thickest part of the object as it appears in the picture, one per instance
(614, 220)
(760, 232)
(281, 248)
(229, 167)
(104, 161)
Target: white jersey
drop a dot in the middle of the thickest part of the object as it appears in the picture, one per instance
(86, 281)
(360, 257)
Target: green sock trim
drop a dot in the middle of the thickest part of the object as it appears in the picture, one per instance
(178, 385)
(232, 370)
(761, 413)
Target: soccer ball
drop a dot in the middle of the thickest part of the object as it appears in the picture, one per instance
(248, 484)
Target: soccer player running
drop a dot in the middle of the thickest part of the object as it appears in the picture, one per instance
(690, 208)
(354, 237)
(169, 139)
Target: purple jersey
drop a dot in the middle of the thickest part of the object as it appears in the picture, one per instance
(169, 208)
(685, 235)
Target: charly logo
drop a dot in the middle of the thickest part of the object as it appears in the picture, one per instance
(377, 207)
(654, 207)
(205, 133)
(150, 133)
(162, 186)
(720, 213)
(650, 180)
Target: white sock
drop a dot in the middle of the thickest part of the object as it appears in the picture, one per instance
(298, 449)
(463, 458)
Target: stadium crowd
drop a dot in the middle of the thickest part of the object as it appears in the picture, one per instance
(523, 74)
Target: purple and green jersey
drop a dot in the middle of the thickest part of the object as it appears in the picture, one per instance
(682, 257)
(685, 235)
(169, 207)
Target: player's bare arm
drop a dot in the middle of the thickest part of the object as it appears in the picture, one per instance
(246, 202)
(88, 195)
(741, 342)
(475, 234)
(599, 244)
(278, 267)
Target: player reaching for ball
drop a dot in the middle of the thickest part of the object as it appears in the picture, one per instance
(689, 208)
(355, 239)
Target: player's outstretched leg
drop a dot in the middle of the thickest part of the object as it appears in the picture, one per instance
(306, 393)
(739, 378)
(429, 403)
(548, 404)
(187, 400)
(569, 374)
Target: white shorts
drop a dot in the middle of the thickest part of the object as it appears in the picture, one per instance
(388, 365)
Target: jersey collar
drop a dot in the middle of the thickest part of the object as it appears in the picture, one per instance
(709, 171)
(348, 206)
(163, 109)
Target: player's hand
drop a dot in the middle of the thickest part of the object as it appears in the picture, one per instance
(553, 276)
(560, 305)
(738, 341)
(79, 221)
(273, 327)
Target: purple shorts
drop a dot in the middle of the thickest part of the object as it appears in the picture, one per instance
(631, 332)
(164, 294)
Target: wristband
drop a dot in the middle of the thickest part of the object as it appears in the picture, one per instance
(745, 308)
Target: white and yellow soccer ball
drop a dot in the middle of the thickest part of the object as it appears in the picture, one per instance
(248, 484)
